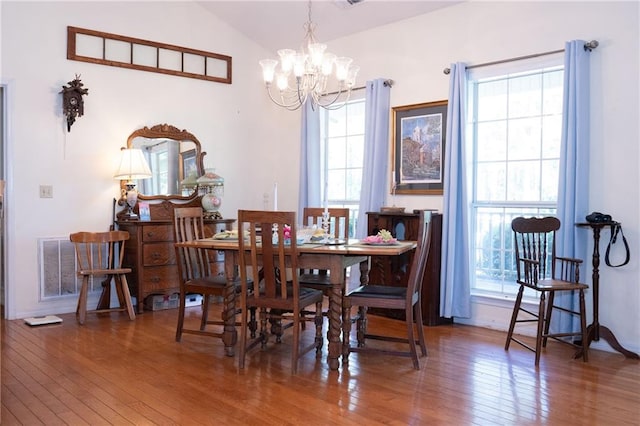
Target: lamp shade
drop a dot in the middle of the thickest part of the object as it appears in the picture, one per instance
(133, 165)
(210, 179)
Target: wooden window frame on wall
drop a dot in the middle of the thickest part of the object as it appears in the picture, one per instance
(160, 49)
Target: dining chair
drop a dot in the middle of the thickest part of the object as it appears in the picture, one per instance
(385, 297)
(194, 272)
(338, 220)
(338, 228)
(99, 256)
(539, 268)
(267, 252)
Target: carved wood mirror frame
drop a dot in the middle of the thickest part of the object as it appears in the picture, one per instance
(167, 131)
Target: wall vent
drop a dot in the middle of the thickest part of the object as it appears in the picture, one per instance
(57, 264)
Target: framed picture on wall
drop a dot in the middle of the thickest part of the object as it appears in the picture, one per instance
(418, 143)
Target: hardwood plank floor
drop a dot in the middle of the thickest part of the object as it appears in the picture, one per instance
(113, 371)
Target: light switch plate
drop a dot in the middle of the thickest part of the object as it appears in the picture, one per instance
(46, 191)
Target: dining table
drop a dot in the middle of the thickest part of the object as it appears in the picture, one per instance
(333, 256)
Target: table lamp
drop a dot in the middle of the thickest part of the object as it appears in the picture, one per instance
(211, 187)
(133, 166)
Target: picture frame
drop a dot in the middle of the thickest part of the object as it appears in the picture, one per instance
(188, 164)
(418, 148)
(144, 211)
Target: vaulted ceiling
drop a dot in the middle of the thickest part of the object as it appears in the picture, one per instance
(279, 24)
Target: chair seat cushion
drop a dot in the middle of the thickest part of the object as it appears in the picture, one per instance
(213, 283)
(206, 285)
(304, 292)
(309, 292)
(307, 297)
(315, 279)
(378, 291)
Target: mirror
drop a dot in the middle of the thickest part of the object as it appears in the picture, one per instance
(175, 159)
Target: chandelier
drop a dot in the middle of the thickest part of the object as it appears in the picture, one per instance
(306, 75)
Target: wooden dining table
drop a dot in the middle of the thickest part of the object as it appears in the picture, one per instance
(332, 257)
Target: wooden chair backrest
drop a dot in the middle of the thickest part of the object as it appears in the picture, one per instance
(338, 221)
(96, 252)
(272, 255)
(188, 223)
(535, 239)
(418, 266)
(188, 226)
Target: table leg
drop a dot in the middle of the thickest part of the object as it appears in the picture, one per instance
(335, 316)
(230, 337)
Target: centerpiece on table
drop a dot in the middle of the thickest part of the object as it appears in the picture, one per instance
(383, 237)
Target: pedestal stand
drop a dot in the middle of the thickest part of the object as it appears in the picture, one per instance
(595, 330)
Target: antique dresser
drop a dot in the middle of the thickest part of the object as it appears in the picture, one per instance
(151, 255)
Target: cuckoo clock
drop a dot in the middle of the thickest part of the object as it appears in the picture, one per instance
(72, 103)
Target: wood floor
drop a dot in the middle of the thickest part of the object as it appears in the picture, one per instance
(115, 371)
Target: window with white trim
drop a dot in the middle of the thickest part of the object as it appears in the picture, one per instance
(342, 147)
(514, 131)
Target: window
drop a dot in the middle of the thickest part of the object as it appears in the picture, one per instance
(515, 124)
(342, 140)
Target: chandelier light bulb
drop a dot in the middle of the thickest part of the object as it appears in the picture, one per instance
(286, 59)
(327, 63)
(316, 53)
(268, 69)
(351, 78)
(299, 64)
(342, 68)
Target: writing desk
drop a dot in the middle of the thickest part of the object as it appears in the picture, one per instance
(334, 258)
(595, 330)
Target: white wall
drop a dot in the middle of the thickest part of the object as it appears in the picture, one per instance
(235, 120)
(414, 52)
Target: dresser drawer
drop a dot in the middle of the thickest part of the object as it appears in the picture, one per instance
(154, 233)
(159, 278)
(156, 254)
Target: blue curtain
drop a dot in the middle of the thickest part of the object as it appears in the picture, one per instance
(310, 167)
(455, 293)
(376, 156)
(573, 182)
(376, 151)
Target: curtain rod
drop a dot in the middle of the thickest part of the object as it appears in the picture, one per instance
(590, 45)
(388, 83)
